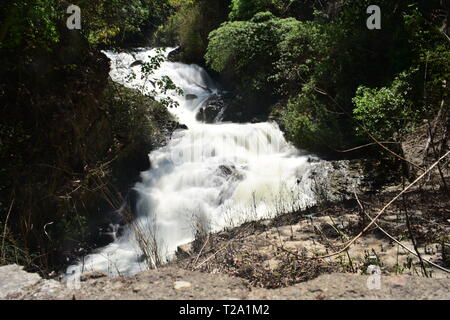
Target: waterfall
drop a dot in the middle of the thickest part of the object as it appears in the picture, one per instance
(216, 175)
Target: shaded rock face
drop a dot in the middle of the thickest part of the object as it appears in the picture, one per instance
(339, 180)
(175, 55)
(239, 110)
(212, 109)
(226, 170)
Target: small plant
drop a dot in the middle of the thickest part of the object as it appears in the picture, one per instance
(151, 247)
(201, 228)
(370, 259)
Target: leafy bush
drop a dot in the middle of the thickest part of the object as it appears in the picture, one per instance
(115, 22)
(246, 9)
(386, 111)
(247, 50)
(190, 25)
(38, 23)
(28, 22)
(301, 49)
(310, 124)
(316, 67)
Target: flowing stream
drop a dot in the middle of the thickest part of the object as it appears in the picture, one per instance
(210, 176)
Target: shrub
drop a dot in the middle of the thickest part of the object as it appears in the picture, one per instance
(310, 124)
(247, 50)
(386, 111)
(246, 9)
(301, 50)
(190, 25)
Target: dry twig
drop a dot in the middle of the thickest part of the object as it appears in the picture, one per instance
(397, 241)
(351, 242)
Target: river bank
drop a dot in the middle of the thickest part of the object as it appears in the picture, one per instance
(277, 259)
(161, 284)
(288, 249)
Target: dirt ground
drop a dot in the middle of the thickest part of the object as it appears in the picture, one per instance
(286, 250)
(282, 258)
(172, 283)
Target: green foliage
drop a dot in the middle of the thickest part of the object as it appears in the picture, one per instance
(13, 251)
(309, 122)
(38, 23)
(247, 50)
(301, 48)
(316, 66)
(246, 9)
(388, 110)
(190, 25)
(111, 22)
(31, 23)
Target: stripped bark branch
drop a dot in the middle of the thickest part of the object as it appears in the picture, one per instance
(395, 240)
(351, 242)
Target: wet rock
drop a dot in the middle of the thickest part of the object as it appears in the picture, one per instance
(211, 109)
(191, 97)
(337, 180)
(226, 170)
(181, 126)
(240, 110)
(175, 55)
(108, 230)
(175, 125)
(229, 171)
(312, 159)
(136, 63)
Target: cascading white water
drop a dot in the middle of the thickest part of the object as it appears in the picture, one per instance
(220, 175)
